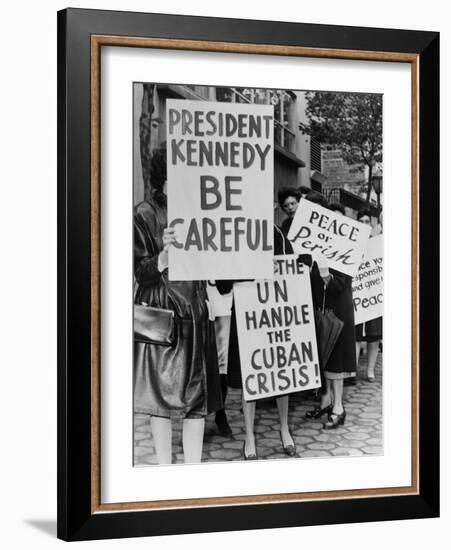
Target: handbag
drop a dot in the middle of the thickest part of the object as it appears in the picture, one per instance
(153, 325)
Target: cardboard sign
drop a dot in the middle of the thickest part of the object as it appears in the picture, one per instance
(220, 189)
(276, 332)
(368, 284)
(331, 238)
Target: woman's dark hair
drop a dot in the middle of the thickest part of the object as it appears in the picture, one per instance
(317, 198)
(337, 207)
(157, 172)
(363, 212)
(286, 192)
(304, 190)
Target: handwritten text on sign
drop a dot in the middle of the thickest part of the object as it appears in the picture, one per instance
(368, 283)
(276, 332)
(329, 236)
(220, 189)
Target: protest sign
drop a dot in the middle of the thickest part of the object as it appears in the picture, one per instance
(220, 189)
(368, 283)
(276, 332)
(331, 238)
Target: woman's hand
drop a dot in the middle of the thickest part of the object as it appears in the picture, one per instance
(323, 268)
(168, 240)
(168, 237)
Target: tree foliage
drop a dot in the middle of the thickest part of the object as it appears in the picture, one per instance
(350, 122)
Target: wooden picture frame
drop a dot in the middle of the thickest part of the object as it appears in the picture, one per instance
(81, 35)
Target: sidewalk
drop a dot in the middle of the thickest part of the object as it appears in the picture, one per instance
(361, 434)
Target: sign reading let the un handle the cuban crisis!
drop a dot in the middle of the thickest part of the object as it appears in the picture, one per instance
(220, 190)
(276, 332)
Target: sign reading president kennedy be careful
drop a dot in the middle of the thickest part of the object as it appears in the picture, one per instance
(220, 190)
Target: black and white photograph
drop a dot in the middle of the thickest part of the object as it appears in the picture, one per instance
(257, 274)
(225, 275)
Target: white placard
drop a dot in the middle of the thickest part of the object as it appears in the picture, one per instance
(276, 332)
(120, 480)
(331, 238)
(368, 283)
(220, 189)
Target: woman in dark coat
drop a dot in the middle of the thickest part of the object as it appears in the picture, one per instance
(371, 331)
(334, 290)
(180, 381)
(281, 246)
(288, 199)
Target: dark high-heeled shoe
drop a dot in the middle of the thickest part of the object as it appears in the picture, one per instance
(289, 450)
(223, 426)
(252, 456)
(318, 412)
(334, 421)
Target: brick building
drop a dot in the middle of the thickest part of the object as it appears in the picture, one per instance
(298, 159)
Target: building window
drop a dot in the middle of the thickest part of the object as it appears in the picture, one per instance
(333, 195)
(282, 101)
(315, 155)
(316, 186)
(202, 92)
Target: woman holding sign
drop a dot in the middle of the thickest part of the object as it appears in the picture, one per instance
(333, 290)
(179, 378)
(281, 246)
(371, 331)
(288, 201)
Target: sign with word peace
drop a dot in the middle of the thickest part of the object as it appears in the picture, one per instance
(220, 189)
(368, 283)
(330, 237)
(276, 332)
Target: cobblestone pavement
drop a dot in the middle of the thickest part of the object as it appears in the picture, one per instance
(361, 434)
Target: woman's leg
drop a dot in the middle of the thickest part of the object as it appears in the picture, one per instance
(338, 415)
(161, 429)
(282, 405)
(358, 347)
(220, 416)
(337, 390)
(222, 332)
(326, 396)
(193, 438)
(249, 415)
(326, 401)
(373, 350)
